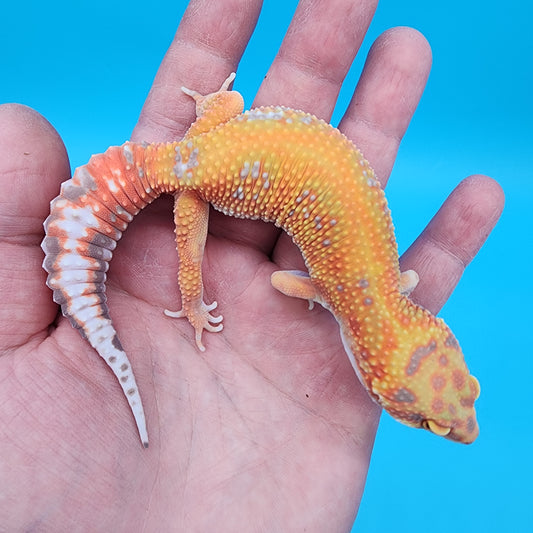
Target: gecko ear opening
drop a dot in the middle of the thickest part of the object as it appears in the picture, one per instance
(432, 426)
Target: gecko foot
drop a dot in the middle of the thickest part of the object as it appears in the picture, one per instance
(297, 284)
(408, 282)
(197, 96)
(200, 318)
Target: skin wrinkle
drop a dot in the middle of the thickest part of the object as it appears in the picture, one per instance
(245, 237)
(377, 138)
(200, 52)
(332, 72)
(189, 51)
(308, 31)
(325, 84)
(432, 272)
(305, 57)
(446, 247)
(21, 228)
(228, 18)
(489, 199)
(374, 106)
(469, 213)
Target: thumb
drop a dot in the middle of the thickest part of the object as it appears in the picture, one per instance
(33, 162)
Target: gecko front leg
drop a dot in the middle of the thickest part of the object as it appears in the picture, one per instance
(191, 215)
(298, 284)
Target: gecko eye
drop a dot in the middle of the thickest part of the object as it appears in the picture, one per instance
(432, 426)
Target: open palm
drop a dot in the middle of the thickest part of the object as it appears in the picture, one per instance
(269, 429)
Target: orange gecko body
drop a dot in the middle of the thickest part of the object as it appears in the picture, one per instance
(285, 167)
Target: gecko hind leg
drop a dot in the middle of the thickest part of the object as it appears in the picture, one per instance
(197, 96)
(191, 215)
(408, 282)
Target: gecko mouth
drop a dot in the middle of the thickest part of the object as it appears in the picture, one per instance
(432, 426)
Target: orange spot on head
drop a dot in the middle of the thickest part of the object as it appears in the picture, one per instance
(437, 405)
(438, 382)
(458, 379)
(467, 402)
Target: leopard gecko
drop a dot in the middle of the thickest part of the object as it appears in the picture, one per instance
(302, 174)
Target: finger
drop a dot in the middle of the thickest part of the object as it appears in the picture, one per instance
(207, 46)
(33, 163)
(391, 85)
(387, 94)
(452, 238)
(307, 73)
(317, 52)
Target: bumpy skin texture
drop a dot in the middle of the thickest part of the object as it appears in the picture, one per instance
(289, 168)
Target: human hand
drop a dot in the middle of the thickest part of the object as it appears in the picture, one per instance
(269, 427)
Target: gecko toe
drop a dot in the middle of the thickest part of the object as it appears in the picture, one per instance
(175, 314)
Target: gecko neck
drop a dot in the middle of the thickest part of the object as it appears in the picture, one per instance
(388, 339)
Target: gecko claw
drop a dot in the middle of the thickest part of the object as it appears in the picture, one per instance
(210, 307)
(201, 319)
(174, 314)
(215, 319)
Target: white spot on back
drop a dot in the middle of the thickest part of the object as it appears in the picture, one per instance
(181, 167)
(245, 171)
(128, 154)
(123, 213)
(259, 114)
(73, 261)
(255, 169)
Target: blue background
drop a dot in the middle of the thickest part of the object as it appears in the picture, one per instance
(88, 69)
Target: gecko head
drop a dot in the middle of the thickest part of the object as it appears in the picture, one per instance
(433, 389)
